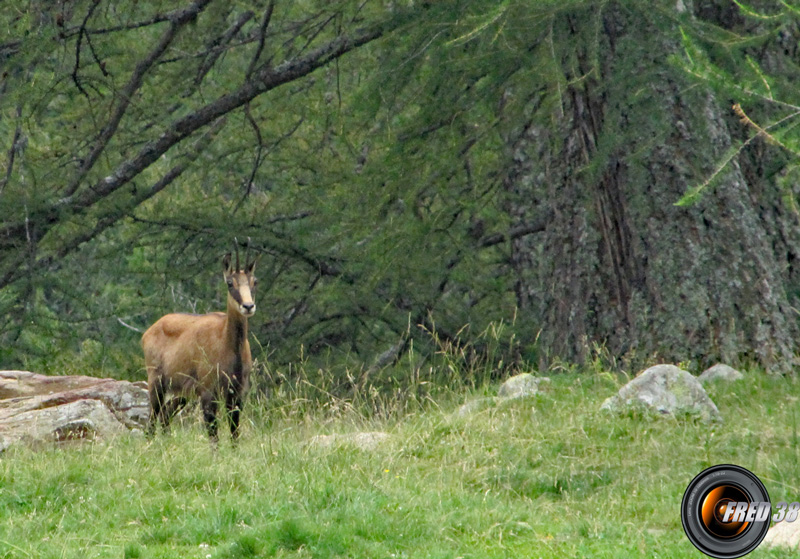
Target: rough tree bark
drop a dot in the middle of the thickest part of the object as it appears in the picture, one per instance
(620, 265)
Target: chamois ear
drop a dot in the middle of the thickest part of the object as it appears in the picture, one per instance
(252, 266)
(226, 262)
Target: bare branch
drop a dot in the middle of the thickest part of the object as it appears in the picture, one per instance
(264, 78)
(214, 53)
(182, 226)
(128, 326)
(320, 28)
(100, 63)
(298, 307)
(324, 267)
(390, 356)
(12, 151)
(262, 33)
(158, 18)
(259, 150)
(81, 32)
(514, 233)
(177, 19)
(120, 211)
(9, 49)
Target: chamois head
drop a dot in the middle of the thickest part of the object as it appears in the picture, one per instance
(240, 280)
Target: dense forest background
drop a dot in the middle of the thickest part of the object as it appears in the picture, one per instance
(536, 182)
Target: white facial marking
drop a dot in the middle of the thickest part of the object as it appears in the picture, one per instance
(248, 306)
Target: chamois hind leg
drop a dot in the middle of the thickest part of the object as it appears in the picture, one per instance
(156, 394)
(170, 409)
(208, 402)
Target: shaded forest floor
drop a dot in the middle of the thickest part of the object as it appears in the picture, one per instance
(548, 476)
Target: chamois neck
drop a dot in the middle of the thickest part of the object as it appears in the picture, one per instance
(235, 324)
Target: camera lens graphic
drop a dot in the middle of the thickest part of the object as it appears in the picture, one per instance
(714, 507)
(709, 497)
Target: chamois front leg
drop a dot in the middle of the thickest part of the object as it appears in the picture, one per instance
(233, 403)
(208, 401)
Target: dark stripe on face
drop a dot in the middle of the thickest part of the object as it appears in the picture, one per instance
(235, 294)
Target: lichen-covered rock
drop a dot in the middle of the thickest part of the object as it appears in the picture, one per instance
(720, 371)
(665, 389)
(368, 440)
(475, 406)
(520, 386)
(39, 408)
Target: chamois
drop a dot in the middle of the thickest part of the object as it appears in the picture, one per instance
(207, 356)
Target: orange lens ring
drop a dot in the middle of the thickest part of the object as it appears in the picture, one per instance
(713, 509)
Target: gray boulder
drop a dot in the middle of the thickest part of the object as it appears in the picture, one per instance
(368, 440)
(38, 408)
(521, 386)
(475, 406)
(720, 371)
(665, 389)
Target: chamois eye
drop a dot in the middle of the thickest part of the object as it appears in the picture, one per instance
(229, 282)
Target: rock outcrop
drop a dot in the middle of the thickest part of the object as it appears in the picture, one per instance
(38, 408)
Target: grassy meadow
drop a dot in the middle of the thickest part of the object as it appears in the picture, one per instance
(549, 476)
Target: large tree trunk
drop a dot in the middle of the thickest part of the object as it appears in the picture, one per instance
(622, 266)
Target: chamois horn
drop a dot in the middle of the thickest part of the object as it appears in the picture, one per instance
(236, 249)
(247, 254)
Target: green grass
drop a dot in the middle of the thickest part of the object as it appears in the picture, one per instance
(550, 476)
